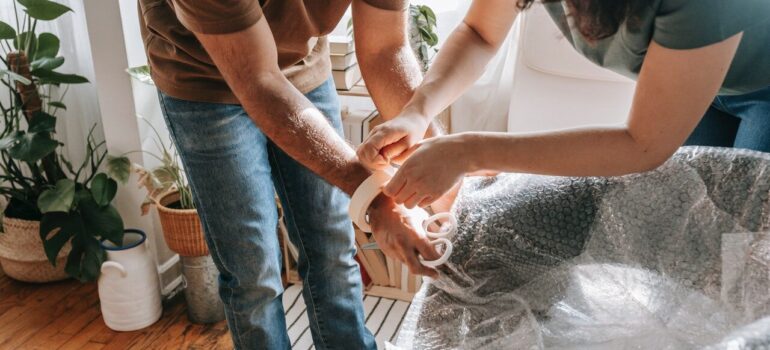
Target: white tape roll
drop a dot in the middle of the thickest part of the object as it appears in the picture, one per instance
(364, 195)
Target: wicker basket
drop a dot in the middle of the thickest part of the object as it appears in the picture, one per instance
(22, 255)
(182, 228)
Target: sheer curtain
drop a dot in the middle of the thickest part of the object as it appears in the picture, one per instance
(82, 106)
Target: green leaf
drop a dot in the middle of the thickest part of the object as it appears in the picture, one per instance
(48, 76)
(10, 140)
(47, 63)
(6, 31)
(47, 45)
(102, 221)
(61, 227)
(57, 199)
(15, 77)
(119, 168)
(20, 43)
(31, 147)
(58, 104)
(42, 122)
(85, 259)
(103, 189)
(44, 10)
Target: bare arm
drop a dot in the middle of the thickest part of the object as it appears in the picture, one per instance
(278, 108)
(248, 62)
(461, 60)
(674, 90)
(387, 62)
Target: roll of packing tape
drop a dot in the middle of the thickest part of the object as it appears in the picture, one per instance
(363, 197)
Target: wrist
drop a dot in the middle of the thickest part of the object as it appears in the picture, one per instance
(466, 148)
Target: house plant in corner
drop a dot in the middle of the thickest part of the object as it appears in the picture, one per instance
(57, 213)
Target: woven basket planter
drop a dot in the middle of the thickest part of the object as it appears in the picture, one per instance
(182, 228)
(22, 256)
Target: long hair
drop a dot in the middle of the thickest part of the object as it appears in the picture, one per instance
(598, 19)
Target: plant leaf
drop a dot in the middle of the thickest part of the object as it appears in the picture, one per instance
(57, 199)
(47, 45)
(85, 259)
(10, 140)
(42, 122)
(6, 31)
(20, 43)
(101, 221)
(15, 77)
(32, 147)
(47, 63)
(48, 76)
(44, 10)
(61, 227)
(103, 189)
(58, 104)
(119, 168)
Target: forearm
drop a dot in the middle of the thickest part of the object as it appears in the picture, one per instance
(301, 130)
(459, 63)
(606, 151)
(247, 61)
(392, 76)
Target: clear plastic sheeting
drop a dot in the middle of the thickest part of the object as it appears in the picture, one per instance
(668, 259)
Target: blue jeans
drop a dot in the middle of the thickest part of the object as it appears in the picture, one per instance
(741, 121)
(234, 171)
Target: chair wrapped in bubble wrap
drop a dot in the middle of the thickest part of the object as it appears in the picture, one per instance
(674, 258)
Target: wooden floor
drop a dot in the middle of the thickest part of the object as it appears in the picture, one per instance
(65, 315)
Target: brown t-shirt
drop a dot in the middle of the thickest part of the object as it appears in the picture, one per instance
(181, 67)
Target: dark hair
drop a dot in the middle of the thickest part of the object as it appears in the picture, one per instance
(598, 19)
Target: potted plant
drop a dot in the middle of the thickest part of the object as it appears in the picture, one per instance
(168, 190)
(57, 213)
(422, 33)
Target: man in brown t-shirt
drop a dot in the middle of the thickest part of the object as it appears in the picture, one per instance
(245, 90)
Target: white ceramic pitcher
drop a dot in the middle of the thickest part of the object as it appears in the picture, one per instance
(129, 290)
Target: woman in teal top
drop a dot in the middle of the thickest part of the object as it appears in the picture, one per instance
(703, 78)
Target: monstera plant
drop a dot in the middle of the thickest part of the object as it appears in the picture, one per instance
(72, 203)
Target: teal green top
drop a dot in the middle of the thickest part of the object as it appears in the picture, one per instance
(685, 24)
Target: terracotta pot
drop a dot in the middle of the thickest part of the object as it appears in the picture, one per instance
(22, 255)
(182, 228)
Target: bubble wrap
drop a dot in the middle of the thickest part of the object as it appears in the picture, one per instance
(669, 259)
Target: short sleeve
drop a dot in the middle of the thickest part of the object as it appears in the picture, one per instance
(689, 24)
(217, 16)
(394, 5)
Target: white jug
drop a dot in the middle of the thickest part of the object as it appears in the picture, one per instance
(129, 290)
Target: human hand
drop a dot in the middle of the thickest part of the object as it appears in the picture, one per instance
(392, 140)
(399, 235)
(433, 169)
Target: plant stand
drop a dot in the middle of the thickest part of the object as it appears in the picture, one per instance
(202, 292)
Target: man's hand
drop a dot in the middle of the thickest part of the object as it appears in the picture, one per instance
(399, 236)
(392, 140)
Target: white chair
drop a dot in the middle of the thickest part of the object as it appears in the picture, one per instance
(554, 87)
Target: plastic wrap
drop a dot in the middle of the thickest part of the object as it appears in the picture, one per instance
(665, 259)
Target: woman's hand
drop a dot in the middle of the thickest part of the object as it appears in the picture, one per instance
(433, 169)
(392, 140)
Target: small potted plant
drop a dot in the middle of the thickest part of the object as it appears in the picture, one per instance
(422, 34)
(168, 190)
(57, 213)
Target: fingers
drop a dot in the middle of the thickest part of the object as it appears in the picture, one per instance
(413, 263)
(394, 150)
(371, 154)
